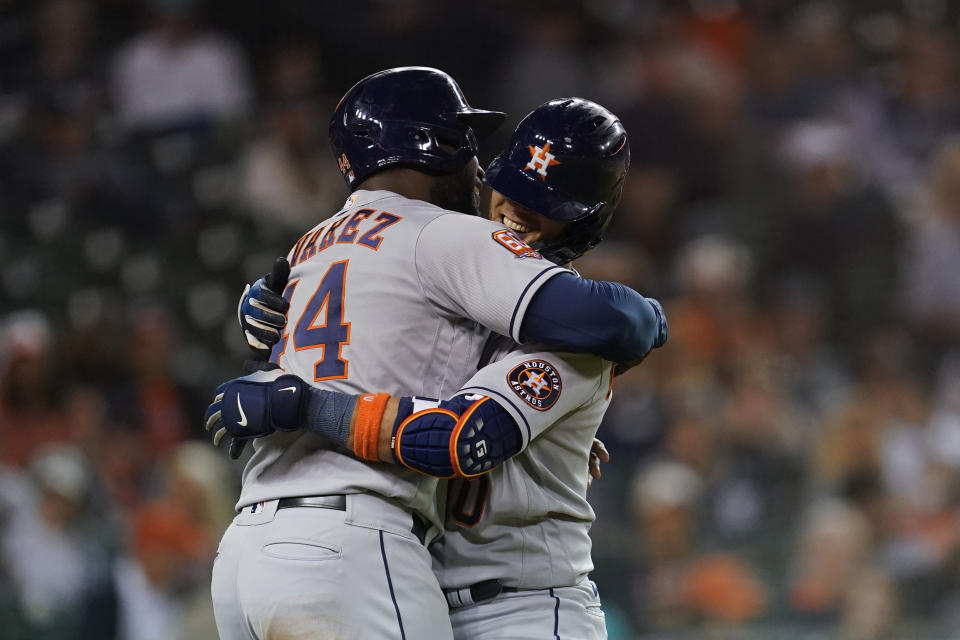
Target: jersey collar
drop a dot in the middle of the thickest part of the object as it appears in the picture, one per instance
(362, 196)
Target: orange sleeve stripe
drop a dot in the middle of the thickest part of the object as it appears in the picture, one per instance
(366, 429)
(455, 436)
(403, 425)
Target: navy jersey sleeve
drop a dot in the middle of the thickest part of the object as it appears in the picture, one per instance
(606, 319)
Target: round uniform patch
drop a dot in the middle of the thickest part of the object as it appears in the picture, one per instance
(536, 382)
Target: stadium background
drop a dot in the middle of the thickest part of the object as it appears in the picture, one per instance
(786, 468)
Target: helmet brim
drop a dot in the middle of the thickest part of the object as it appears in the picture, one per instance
(482, 122)
(527, 189)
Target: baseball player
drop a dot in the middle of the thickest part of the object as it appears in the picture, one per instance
(387, 294)
(515, 438)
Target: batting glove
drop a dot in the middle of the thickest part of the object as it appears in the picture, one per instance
(254, 406)
(263, 310)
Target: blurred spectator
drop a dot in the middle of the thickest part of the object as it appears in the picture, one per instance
(201, 484)
(57, 555)
(848, 449)
(167, 561)
(677, 584)
(834, 229)
(945, 419)
(898, 125)
(58, 162)
(810, 371)
(870, 609)
(176, 75)
(713, 315)
(287, 175)
(833, 548)
(65, 62)
(159, 408)
(930, 286)
(150, 412)
(828, 56)
(802, 69)
(29, 393)
(752, 491)
(645, 218)
(14, 40)
(544, 65)
(776, 94)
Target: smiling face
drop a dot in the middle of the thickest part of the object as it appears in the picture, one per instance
(528, 224)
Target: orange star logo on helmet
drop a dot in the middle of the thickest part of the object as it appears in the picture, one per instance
(541, 159)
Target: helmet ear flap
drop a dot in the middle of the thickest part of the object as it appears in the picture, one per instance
(581, 237)
(617, 191)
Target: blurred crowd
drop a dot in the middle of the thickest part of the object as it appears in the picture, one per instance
(786, 467)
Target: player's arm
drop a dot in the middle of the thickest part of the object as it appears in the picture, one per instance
(607, 319)
(480, 427)
(504, 285)
(435, 438)
(473, 268)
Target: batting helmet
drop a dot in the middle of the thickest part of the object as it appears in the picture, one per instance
(568, 161)
(408, 116)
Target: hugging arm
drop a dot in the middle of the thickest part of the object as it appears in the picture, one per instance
(606, 319)
(440, 439)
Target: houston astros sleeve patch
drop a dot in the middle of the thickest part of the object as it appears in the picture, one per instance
(537, 382)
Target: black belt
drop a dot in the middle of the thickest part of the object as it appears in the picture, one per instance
(339, 503)
(479, 592)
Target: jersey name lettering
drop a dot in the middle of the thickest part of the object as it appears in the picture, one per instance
(363, 228)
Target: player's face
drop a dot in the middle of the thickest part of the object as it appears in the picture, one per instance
(529, 225)
(458, 191)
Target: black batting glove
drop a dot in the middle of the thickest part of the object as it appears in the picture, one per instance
(262, 310)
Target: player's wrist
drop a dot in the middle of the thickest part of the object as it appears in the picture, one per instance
(329, 414)
(367, 421)
(288, 399)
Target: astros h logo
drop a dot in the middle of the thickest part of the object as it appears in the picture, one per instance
(541, 159)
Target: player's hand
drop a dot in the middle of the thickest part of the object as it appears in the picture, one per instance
(663, 333)
(262, 310)
(255, 406)
(598, 454)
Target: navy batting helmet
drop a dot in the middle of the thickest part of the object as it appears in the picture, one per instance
(568, 161)
(408, 116)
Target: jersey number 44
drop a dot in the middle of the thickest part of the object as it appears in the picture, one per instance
(321, 325)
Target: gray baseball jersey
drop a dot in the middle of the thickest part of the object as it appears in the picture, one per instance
(526, 523)
(390, 295)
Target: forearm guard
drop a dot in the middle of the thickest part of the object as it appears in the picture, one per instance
(463, 437)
